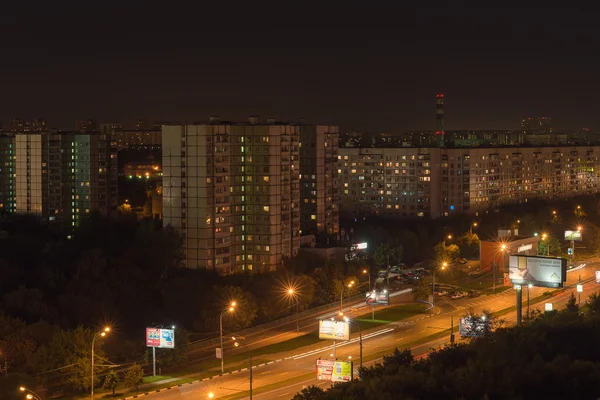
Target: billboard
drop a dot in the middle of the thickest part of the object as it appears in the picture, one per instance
(334, 330)
(539, 271)
(376, 297)
(334, 371)
(573, 235)
(359, 246)
(162, 338)
(473, 326)
(597, 276)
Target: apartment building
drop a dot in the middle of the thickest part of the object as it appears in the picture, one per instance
(233, 191)
(319, 192)
(433, 182)
(7, 173)
(62, 177)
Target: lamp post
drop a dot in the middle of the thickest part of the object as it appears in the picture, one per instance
(30, 393)
(231, 308)
(366, 271)
(348, 320)
(529, 286)
(446, 237)
(502, 249)
(547, 244)
(443, 266)
(342, 295)
(292, 292)
(473, 225)
(102, 333)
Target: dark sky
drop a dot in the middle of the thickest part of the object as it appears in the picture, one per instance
(369, 65)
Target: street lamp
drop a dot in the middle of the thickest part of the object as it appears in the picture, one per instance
(447, 237)
(102, 333)
(529, 286)
(342, 295)
(30, 393)
(473, 225)
(348, 320)
(366, 272)
(502, 249)
(442, 267)
(291, 292)
(231, 308)
(211, 395)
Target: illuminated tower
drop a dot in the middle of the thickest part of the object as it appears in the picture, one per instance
(439, 118)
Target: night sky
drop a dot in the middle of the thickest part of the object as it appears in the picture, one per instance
(362, 65)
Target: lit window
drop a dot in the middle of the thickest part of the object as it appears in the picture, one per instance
(266, 178)
(267, 248)
(266, 208)
(313, 217)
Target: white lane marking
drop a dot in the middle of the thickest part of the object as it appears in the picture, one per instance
(397, 340)
(341, 344)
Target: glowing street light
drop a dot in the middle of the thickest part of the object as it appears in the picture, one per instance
(30, 393)
(100, 334)
(211, 395)
(230, 309)
(442, 267)
(349, 285)
(294, 295)
(366, 272)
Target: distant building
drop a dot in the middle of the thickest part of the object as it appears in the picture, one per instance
(319, 196)
(140, 138)
(19, 125)
(429, 182)
(109, 128)
(536, 126)
(59, 177)
(85, 126)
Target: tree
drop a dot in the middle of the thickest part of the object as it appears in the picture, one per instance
(311, 392)
(134, 376)
(388, 252)
(111, 381)
(246, 306)
(572, 305)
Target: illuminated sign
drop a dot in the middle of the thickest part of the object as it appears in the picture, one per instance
(473, 326)
(548, 307)
(375, 297)
(537, 271)
(334, 371)
(334, 330)
(573, 235)
(162, 338)
(524, 247)
(360, 246)
(597, 276)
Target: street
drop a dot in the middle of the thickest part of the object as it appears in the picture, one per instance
(282, 379)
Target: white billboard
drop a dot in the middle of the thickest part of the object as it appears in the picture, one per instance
(573, 235)
(538, 271)
(334, 330)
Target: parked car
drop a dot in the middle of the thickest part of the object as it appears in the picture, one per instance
(440, 292)
(474, 293)
(463, 260)
(458, 295)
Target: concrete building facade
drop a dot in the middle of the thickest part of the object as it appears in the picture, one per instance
(62, 177)
(430, 182)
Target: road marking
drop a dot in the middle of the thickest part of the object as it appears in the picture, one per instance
(397, 340)
(284, 394)
(284, 373)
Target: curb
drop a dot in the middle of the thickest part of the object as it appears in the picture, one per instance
(199, 380)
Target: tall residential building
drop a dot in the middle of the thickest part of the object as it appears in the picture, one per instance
(433, 182)
(20, 125)
(319, 196)
(439, 119)
(148, 138)
(7, 173)
(62, 177)
(233, 192)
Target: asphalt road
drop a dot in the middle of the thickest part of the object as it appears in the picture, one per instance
(277, 376)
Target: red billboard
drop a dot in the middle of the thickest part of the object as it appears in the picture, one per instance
(153, 337)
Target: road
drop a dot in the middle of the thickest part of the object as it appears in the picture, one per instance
(285, 378)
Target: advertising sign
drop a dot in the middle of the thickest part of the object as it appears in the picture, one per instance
(579, 288)
(573, 235)
(376, 297)
(162, 338)
(548, 307)
(538, 271)
(360, 246)
(334, 330)
(334, 371)
(597, 276)
(472, 326)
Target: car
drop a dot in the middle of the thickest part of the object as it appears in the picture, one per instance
(463, 260)
(474, 293)
(440, 292)
(458, 295)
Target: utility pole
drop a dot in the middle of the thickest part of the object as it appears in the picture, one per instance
(250, 378)
(451, 329)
